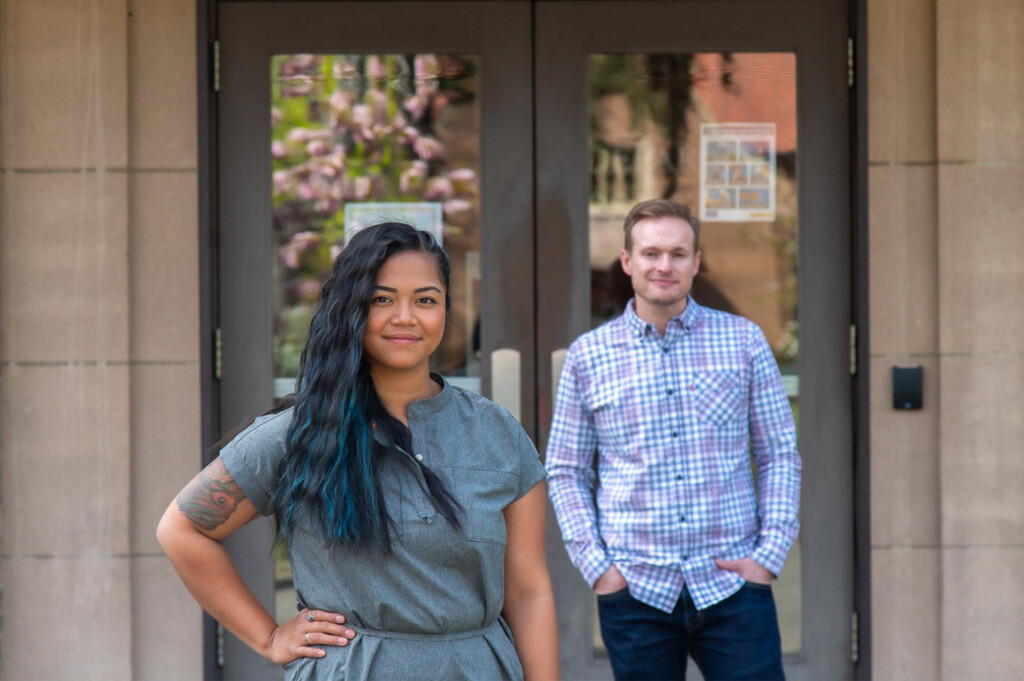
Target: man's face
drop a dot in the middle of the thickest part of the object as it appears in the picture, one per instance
(662, 264)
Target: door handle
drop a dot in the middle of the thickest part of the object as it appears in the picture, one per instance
(506, 388)
(557, 360)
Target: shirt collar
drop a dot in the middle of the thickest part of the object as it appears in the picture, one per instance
(686, 321)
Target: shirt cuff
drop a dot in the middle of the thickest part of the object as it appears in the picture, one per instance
(770, 558)
(592, 561)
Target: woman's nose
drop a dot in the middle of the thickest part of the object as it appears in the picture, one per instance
(403, 314)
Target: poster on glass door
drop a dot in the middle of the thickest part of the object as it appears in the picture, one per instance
(737, 172)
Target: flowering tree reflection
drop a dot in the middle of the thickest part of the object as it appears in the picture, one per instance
(357, 128)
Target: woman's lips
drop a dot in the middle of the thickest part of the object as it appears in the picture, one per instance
(402, 339)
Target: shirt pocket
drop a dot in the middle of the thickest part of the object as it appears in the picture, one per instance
(721, 398)
(484, 495)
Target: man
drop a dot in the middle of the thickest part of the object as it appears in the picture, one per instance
(664, 522)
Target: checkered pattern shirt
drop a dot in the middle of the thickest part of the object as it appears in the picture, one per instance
(658, 432)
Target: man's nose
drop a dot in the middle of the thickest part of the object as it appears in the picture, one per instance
(664, 262)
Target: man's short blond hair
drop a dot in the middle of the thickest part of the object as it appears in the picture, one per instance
(660, 208)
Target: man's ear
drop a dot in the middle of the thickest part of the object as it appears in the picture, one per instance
(624, 261)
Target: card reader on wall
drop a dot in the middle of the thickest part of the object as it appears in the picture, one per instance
(907, 385)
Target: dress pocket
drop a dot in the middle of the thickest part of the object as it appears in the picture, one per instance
(484, 495)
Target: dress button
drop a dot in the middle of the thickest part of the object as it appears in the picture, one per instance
(419, 457)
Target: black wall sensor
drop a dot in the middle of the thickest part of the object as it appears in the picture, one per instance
(907, 387)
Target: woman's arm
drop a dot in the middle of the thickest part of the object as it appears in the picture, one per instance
(529, 600)
(208, 509)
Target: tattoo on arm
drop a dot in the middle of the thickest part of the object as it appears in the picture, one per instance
(211, 497)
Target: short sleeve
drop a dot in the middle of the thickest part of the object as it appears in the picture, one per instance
(531, 471)
(254, 457)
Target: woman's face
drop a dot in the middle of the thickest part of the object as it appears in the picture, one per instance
(407, 313)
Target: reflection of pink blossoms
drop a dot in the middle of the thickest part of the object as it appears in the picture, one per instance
(463, 181)
(362, 116)
(318, 148)
(428, 148)
(417, 106)
(299, 244)
(438, 188)
(307, 290)
(412, 178)
(375, 67)
(457, 207)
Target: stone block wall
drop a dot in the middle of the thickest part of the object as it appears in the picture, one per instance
(99, 347)
(946, 156)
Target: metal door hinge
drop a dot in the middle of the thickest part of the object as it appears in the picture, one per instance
(849, 62)
(215, 65)
(853, 349)
(854, 638)
(218, 354)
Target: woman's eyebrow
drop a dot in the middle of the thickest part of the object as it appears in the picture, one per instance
(419, 290)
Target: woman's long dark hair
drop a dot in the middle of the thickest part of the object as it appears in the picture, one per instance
(329, 477)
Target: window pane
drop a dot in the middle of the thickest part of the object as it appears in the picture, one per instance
(359, 139)
(717, 132)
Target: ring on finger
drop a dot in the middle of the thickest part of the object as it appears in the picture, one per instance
(309, 616)
(307, 640)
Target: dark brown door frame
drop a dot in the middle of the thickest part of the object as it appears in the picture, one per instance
(206, 34)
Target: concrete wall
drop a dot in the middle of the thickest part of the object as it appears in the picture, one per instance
(99, 339)
(946, 172)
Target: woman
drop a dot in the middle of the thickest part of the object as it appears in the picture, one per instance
(412, 506)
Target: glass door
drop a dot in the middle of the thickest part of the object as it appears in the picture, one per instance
(737, 109)
(337, 115)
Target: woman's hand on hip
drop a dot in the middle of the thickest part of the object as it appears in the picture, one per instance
(303, 635)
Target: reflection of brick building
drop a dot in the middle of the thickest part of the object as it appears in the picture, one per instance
(748, 267)
(100, 345)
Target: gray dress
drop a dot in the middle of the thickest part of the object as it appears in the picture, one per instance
(430, 609)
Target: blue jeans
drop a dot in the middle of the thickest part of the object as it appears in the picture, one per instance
(733, 640)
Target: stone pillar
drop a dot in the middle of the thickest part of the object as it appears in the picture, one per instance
(99, 422)
(904, 273)
(980, 69)
(164, 324)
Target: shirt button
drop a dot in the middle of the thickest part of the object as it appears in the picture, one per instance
(675, 434)
(669, 391)
(419, 457)
(686, 558)
(682, 518)
(679, 477)
(664, 349)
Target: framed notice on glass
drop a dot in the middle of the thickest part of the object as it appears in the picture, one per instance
(737, 172)
(424, 215)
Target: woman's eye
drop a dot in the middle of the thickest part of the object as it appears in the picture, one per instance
(380, 300)
(427, 301)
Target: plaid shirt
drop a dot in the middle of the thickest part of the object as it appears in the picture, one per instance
(672, 421)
